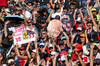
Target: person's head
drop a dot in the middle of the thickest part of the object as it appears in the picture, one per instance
(22, 23)
(72, 5)
(94, 11)
(10, 59)
(48, 5)
(13, 52)
(34, 56)
(29, 4)
(96, 62)
(50, 46)
(78, 14)
(64, 39)
(82, 37)
(61, 45)
(44, 11)
(44, 34)
(41, 45)
(43, 23)
(89, 24)
(52, 54)
(80, 23)
(22, 50)
(33, 53)
(95, 50)
(10, 34)
(64, 11)
(30, 24)
(79, 30)
(34, 2)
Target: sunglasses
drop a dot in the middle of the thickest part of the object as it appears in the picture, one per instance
(41, 46)
(20, 49)
(44, 33)
(78, 30)
(88, 25)
(29, 24)
(61, 44)
(82, 37)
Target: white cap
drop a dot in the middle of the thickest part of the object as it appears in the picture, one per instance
(50, 45)
(7, 10)
(62, 58)
(53, 53)
(34, 50)
(41, 44)
(78, 19)
(79, 28)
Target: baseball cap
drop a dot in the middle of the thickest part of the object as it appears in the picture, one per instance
(34, 50)
(63, 52)
(80, 21)
(22, 48)
(63, 38)
(10, 56)
(43, 21)
(53, 53)
(61, 43)
(79, 29)
(7, 10)
(78, 47)
(77, 12)
(82, 35)
(50, 46)
(93, 10)
(89, 21)
(57, 17)
(96, 61)
(30, 21)
(41, 44)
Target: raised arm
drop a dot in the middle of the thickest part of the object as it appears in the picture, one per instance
(49, 17)
(34, 12)
(23, 12)
(28, 6)
(91, 55)
(53, 6)
(74, 16)
(36, 47)
(81, 61)
(5, 28)
(94, 23)
(99, 18)
(18, 54)
(45, 47)
(27, 50)
(88, 7)
(54, 60)
(82, 15)
(1, 17)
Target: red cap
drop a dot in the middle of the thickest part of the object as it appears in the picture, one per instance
(63, 53)
(30, 21)
(78, 47)
(23, 48)
(47, 58)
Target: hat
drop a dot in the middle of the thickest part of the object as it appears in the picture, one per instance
(57, 17)
(7, 10)
(96, 61)
(53, 53)
(12, 50)
(93, 9)
(43, 21)
(50, 46)
(79, 29)
(63, 53)
(80, 21)
(77, 12)
(34, 50)
(10, 56)
(30, 21)
(78, 47)
(41, 44)
(89, 21)
(47, 58)
(62, 58)
(61, 43)
(82, 35)
(22, 48)
(63, 38)
(21, 22)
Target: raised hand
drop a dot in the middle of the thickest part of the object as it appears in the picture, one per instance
(7, 22)
(92, 46)
(34, 12)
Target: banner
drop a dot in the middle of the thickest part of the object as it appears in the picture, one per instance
(54, 27)
(22, 35)
(67, 21)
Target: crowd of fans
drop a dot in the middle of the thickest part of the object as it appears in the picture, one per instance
(79, 46)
